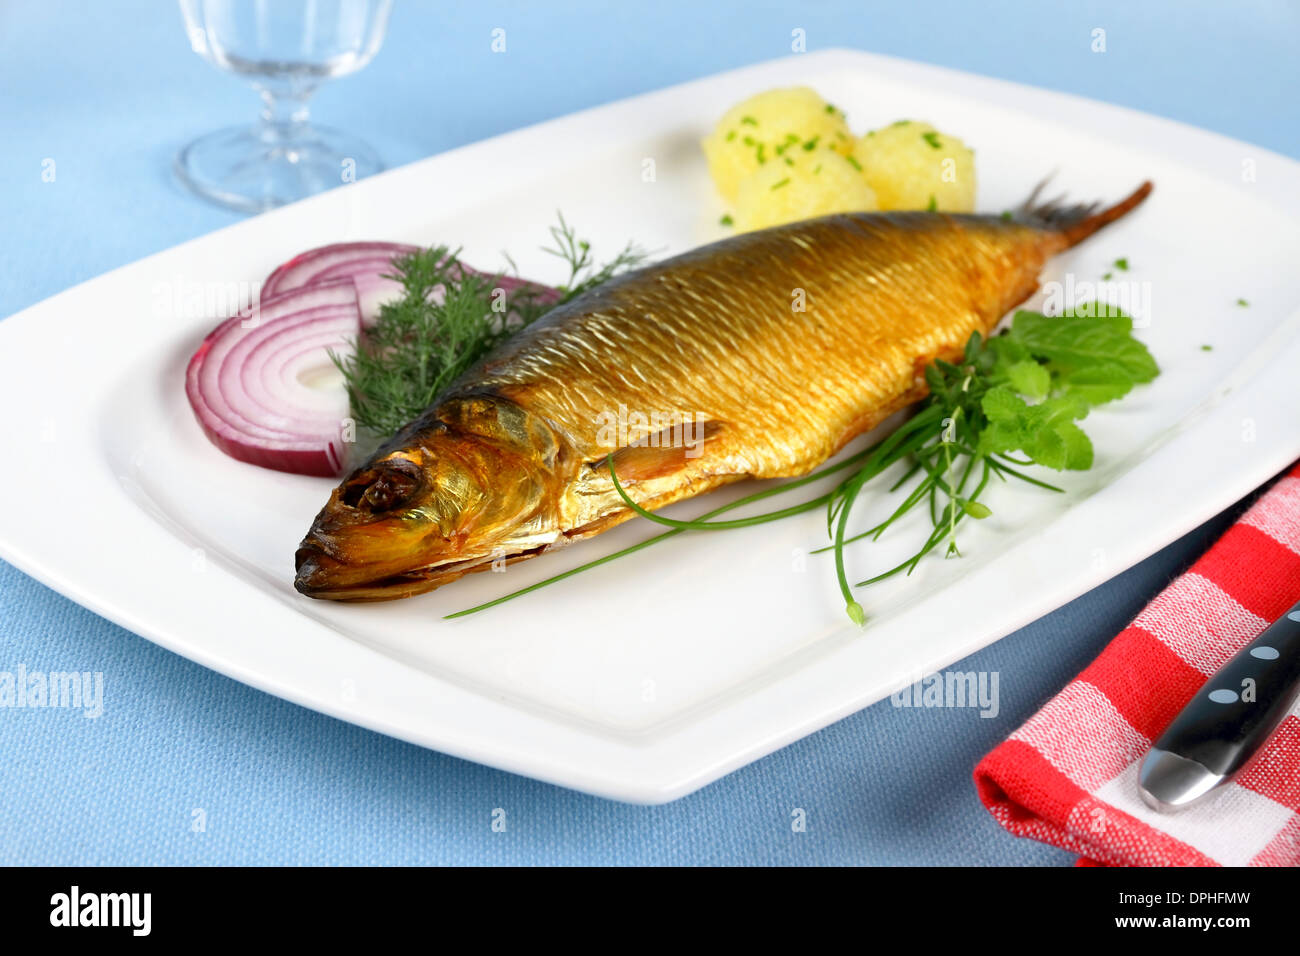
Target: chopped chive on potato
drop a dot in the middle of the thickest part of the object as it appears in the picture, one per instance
(801, 186)
(766, 128)
(912, 165)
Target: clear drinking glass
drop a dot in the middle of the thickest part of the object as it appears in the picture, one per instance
(285, 48)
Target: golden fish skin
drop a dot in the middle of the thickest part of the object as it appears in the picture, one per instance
(776, 347)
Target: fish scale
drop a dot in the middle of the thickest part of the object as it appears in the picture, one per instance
(789, 385)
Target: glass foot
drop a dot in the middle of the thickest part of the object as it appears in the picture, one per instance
(253, 169)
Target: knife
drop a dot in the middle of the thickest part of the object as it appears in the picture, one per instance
(1228, 720)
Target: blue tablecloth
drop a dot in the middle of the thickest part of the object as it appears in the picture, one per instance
(110, 91)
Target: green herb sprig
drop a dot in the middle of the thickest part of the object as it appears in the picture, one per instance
(584, 274)
(1019, 392)
(439, 327)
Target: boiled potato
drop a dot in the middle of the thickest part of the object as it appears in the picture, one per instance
(755, 132)
(801, 185)
(912, 165)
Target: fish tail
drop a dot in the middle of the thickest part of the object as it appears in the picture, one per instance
(1076, 222)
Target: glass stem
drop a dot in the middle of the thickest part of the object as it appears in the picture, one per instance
(284, 114)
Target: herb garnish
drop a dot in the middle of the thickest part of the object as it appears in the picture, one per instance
(1021, 391)
(583, 272)
(420, 341)
(1243, 303)
(933, 139)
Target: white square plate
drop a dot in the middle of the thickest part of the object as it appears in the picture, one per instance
(654, 675)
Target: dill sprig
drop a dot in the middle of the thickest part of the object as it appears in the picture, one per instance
(584, 274)
(439, 327)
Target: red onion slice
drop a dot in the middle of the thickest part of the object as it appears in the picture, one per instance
(243, 381)
(308, 267)
(368, 265)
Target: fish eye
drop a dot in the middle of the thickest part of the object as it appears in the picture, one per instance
(382, 488)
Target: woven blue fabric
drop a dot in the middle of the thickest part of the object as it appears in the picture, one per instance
(110, 91)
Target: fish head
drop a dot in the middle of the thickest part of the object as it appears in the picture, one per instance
(473, 482)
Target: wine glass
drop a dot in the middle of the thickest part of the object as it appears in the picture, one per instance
(286, 48)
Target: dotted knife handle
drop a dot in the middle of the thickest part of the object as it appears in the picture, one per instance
(1239, 707)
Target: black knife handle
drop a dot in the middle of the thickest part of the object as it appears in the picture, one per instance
(1242, 703)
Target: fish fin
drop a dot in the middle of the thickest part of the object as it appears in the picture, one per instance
(1076, 222)
(663, 453)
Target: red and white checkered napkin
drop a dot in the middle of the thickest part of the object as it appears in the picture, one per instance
(1069, 775)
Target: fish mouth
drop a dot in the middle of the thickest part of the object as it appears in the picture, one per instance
(324, 577)
(320, 575)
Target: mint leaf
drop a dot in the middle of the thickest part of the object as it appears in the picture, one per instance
(1045, 432)
(1059, 408)
(1075, 342)
(1096, 385)
(1029, 378)
(1078, 446)
(1046, 448)
(1001, 404)
(999, 438)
